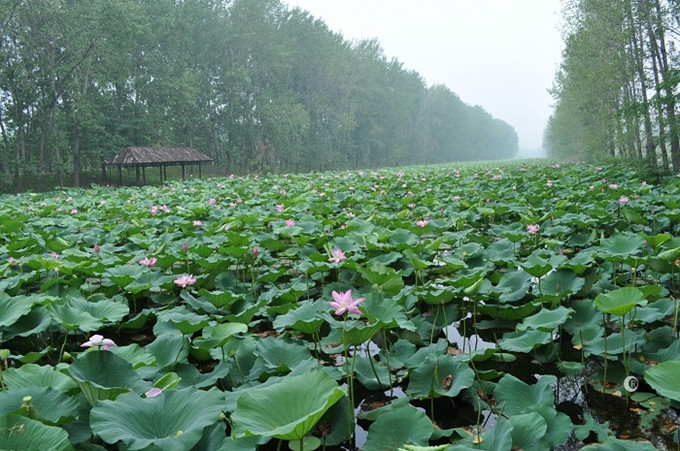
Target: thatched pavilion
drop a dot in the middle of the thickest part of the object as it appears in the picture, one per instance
(143, 157)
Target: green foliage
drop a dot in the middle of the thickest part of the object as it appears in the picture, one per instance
(455, 309)
(254, 85)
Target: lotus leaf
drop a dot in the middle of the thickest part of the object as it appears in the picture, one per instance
(664, 379)
(173, 420)
(286, 410)
(439, 376)
(17, 432)
(398, 427)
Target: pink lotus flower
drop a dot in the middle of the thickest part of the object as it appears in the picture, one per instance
(422, 222)
(337, 256)
(185, 248)
(149, 262)
(280, 207)
(212, 201)
(623, 200)
(532, 229)
(100, 342)
(153, 210)
(343, 302)
(184, 280)
(256, 252)
(549, 183)
(153, 392)
(290, 223)
(96, 248)
(197, 223)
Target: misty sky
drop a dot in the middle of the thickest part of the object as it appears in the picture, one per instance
(500, 54)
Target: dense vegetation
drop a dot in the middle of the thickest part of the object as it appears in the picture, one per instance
(617, 89)
(468, 307)
(251, 83)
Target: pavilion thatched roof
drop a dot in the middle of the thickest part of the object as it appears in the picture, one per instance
(158, 156)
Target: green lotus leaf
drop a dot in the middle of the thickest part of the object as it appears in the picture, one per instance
(398, 427)
(439, 376)
(169, 349)
(601, 430)
(517, 397)
(562, 282)
(221, 299)
(437, 296)
(536, 265)
(656, 240)
(32, 375)
(104, 375)
(382, 278)
(372, 374)
(304, 318)
(546, 320)
(182, 319)
(281, 355)
(105, 310)
(559, 425)
(501, 252)
(622, 245)
(357, 332)
(71, 318)
(173, 420)
(498, 438)
(570, 368)
(669, 255)
(619, 302)
(123, 275)
(513, 286)
(664, 379)
(134, 354)
(50, 406)
(17, 432)
(595, 345)
(390, 314)
(418, 263)
(508, 312)
(34, 322)
(403, 239)
(620, 445)
(528, 432)
(286, 410)
(217, 336)
(13, 308)
(524, 340)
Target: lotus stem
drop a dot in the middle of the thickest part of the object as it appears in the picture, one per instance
(63, 346)
(387, 360)
(434, 325)
(604, 375)
(350, 384)
(180, 351)
(375, 373)
(675, 320)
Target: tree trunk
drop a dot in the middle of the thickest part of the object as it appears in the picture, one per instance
(662, 55)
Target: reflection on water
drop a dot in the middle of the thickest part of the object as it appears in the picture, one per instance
(466, 344)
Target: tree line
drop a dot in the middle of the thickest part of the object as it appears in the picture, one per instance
(616, 92)
(253, 84)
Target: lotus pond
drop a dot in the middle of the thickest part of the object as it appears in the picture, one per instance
(516, 305)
